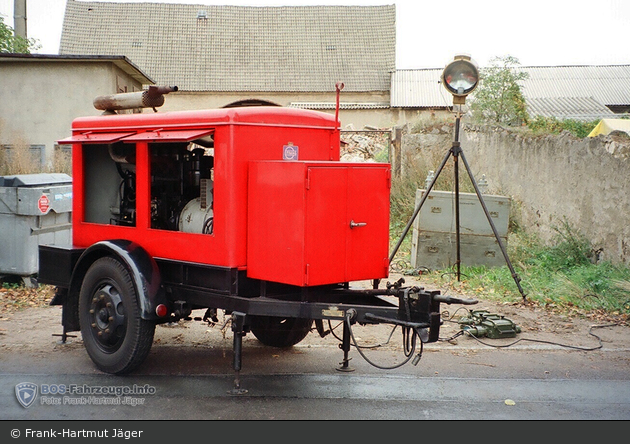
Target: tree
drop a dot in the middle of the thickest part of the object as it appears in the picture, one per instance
(9, 42)
(498, 98)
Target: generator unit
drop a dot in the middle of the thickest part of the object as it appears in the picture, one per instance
(248, 210)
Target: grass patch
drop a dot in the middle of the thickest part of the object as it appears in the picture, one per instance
(552, 125)
(563, 276)
(22, 161)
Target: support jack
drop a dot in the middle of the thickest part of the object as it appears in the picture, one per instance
(344, 366)
(64, 336)
(238, 328)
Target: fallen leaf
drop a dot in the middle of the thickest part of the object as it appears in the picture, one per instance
(509, 402)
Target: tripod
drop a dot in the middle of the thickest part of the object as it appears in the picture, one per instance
(456, 152)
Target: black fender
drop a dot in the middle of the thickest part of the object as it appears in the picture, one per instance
(141, 266)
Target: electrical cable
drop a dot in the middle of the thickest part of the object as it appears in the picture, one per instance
(331, 329)
(464, 332)
(410, 336)
(453, 272)
(456, 335)
(403, 266)
(550, 342)
(409, 344)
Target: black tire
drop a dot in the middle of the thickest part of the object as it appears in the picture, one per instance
(280, 332)
(115, 336)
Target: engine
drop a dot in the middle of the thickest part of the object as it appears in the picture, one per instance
(181, 187)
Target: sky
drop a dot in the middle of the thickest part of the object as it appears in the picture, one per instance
(430, 33)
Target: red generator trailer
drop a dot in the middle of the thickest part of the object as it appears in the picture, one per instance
(247, 210)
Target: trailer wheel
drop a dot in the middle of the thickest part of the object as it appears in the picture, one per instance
(280, 332)
(115, 336)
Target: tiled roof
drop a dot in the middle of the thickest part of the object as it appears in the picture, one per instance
(234, 48)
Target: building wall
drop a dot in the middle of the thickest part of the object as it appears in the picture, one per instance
(410, 116)
(358, 119)
(583, 181)
(39, 100)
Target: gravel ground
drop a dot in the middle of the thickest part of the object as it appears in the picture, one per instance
(32, 327)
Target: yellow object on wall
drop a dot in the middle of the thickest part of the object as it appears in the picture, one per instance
(606, 126)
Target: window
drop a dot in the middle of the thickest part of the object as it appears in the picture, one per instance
(17, 158)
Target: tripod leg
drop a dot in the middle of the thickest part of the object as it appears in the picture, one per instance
(417, 210)
(517, 279)
(458, 261)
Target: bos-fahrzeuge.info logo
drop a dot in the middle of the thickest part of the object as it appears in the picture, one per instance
(62, 394)
(26, 392)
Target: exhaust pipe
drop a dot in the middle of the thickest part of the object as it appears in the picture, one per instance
(151, 98)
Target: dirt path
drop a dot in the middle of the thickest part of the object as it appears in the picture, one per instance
(32, 330)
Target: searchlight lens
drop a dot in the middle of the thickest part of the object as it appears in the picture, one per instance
(461, 76)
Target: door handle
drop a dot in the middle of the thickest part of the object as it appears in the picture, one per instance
(354, 224)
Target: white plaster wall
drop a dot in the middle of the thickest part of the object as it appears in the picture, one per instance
(39, 100)
(358, 119)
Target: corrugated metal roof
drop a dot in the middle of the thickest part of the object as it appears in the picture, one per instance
(418, 88)
(567, 91)
(608, 84)
(342, 105)
(577, 108)
(301, 48)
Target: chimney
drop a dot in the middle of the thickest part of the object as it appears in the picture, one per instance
(19, 18)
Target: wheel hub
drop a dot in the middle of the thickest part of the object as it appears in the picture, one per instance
(108, 318)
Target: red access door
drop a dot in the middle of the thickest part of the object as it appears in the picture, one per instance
(316, 223)
(368, 203)
(325, 225)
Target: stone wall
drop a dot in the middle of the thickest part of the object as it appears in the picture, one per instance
(550, 179)
(365, 145)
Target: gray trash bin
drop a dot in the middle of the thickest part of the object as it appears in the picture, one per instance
(35, 209)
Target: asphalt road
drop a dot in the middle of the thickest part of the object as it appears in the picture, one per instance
(188, 376)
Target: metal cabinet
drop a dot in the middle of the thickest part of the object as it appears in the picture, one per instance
(434, 240)
(334, 219)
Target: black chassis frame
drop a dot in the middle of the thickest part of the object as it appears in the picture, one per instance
(191, 286)
(187, 286)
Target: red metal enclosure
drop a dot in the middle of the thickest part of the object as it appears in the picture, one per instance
(299, 229)
(315, 223)
(246, 210)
